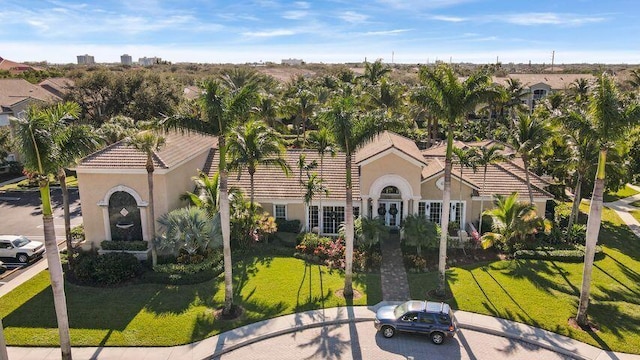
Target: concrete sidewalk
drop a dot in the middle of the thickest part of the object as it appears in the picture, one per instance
(215, 346)
(622, 207)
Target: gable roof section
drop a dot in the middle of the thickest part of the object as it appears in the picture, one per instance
(13, 91)
(272, 183)
(388, 140)
(178, 148)
(59, 86)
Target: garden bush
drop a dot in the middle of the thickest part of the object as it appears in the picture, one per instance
(415, 263)
(104, 270)
(291, 226)
(77, 232)
(184, 274)
(553, 254)
(137, 245)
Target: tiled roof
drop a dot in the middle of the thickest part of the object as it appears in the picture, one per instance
(14, 66)
(388, 140)
(555, 81)
(272, 183)
(177, 148)
(59, 86)
(13, 91)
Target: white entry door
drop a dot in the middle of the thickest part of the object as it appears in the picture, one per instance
(390, 210)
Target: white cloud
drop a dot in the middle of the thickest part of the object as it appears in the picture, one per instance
(388, 32)
(454, 19)
(547, 18)
(270, 33)
(295, 14)
(302, 4)
(422, 4)
(353, 17)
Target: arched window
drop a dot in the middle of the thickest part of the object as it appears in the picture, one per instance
(124, 217)
(390, 190)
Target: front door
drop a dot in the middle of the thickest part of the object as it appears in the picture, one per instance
(390, 210)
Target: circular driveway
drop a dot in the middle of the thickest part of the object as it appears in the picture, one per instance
(361, 341)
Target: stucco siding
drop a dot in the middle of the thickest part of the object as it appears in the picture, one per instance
(390, 164)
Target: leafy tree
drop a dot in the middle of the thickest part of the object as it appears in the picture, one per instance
(512, 223)
(301, 106)
(610, 120)
(487, 156)
(255, 144)
(419, 232)
(6, 143)
(374, 72)
(368, 230)
(36, 135)
(149, 142)
(451, 100)
(218, 109)
(117, 128)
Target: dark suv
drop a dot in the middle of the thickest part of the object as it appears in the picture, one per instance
(425, 317)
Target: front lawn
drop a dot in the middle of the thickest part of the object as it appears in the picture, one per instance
(624, 192)
(545, 293)
(162, 315)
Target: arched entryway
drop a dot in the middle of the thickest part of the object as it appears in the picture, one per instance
(390, 206)
(392, 198)
(124, 214)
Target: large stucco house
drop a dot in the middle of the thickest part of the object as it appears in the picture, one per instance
(392, 178)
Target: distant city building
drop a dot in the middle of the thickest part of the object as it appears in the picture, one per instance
(86, 60)
(126, 59)
(145, 61)
(292, 61)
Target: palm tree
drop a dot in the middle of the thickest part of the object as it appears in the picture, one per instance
(301, 107)
(351, 130)
(219, 109)
(487, 156)
(466, 158)
(512, 221)
(313, 186)
(580, 90)
(254, 144)
(634, 79)
(207, 195)
(323, 142)
(189, 229)
(419, 232)
(37, 134)
(530, 135)
(449, 99)
(374, 72)
(149, 142)
(610, 120)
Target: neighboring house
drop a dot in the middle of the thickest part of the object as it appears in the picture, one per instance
(14, 67)
(292, 62)
(15, 97)
(392, 178)
(59, 86)
(541, 85)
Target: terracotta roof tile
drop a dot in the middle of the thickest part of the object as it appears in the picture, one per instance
(388, 140)
(13, 91)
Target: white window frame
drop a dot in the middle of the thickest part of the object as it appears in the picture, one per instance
(453, 205)
(275, 211)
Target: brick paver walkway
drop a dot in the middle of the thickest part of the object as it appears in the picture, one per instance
(395, 286)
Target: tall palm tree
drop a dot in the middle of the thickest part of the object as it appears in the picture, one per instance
(218, 109)
(580, 90)
(301, 106)
(611, 120)
(253, 144)
(207, 194)
(467, 157)
(374, 72)
(530, 135)
(513, 221)
(487, 156)
(37, 134)
(322, 140)
(149, 142)
(451, 100)
(313, 186)
(351, 130)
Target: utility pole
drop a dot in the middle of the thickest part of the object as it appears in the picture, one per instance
(553, 58)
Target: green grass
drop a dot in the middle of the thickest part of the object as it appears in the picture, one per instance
(72, 182)
(545, 293)
(626, 191)
(636, 214)
(635, 203)
(159, 315)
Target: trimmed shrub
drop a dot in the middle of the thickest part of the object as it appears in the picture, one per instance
(137, 245)
(309, 242)
(291, 226)
(184, 274)
(77, 232)
(107, 269)
(552, 254)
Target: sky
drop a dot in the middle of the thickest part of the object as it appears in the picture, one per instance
(332, 31)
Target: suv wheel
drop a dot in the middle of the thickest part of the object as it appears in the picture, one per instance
(388, 331)
(23, 258)
(437, 337)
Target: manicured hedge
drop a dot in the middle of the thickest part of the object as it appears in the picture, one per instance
(138, 245)
(184, 274)
(107, 269)
(563, 255)
(291, 226)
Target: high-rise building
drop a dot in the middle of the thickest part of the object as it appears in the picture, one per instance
(126, 59)
(86, 59)
(145, 61)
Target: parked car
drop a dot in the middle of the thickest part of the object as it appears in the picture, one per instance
(2, 267)
(425, 317)
(20, 248)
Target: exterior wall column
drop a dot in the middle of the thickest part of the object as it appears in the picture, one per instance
(405, 208)
(364, 210)
(416, 202)
(374, 206)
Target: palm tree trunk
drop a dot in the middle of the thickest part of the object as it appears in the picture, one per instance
(225, 222)
(62, 178)
(152, 217)
(593, 229)
(348, 223)
(251, 186)
(576, 202)
(3, 344)
(55, 271)
(525, 159)
(320, 200)
(484, 180)
(444, 220)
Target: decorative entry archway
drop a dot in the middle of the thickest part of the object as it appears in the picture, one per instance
(124, 214)
(389, 196)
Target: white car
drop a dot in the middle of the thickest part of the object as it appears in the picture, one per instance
(20, 248)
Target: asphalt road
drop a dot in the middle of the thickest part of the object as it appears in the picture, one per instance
(21, 214)
(361, 341)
